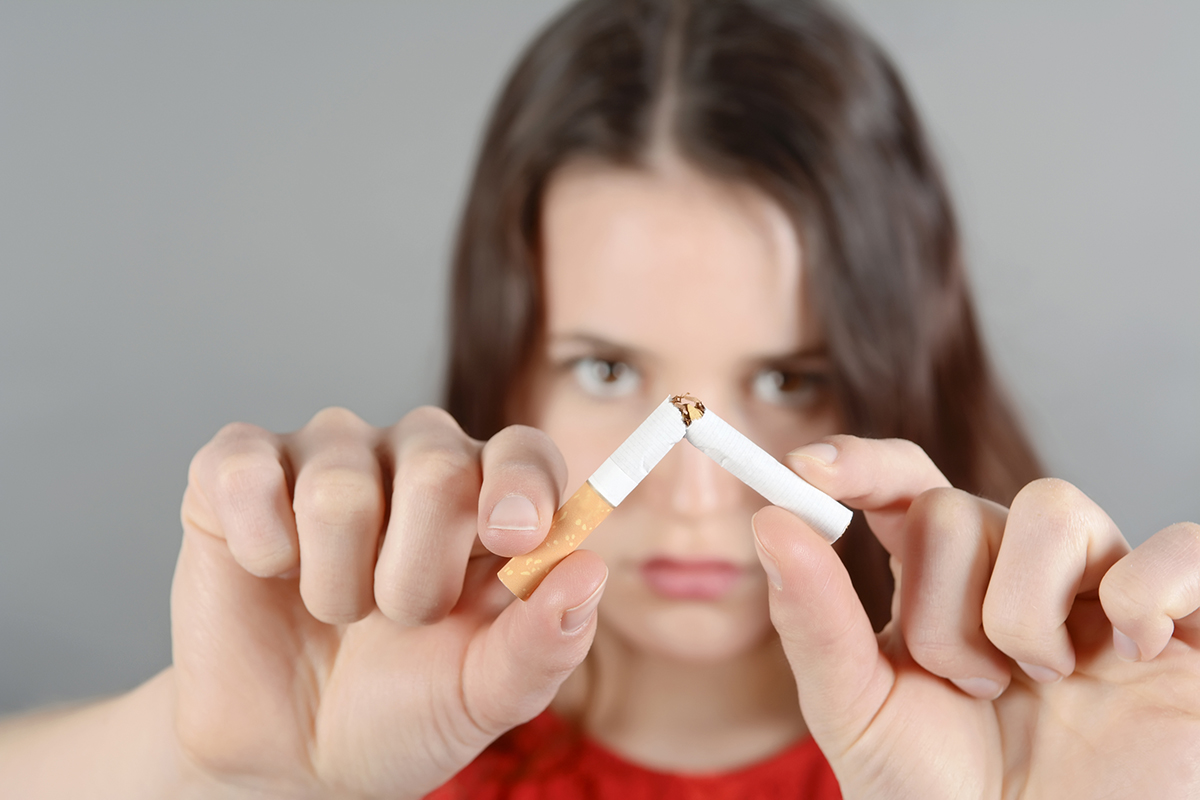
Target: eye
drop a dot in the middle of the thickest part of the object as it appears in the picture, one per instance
(788, 388)
(602, 378)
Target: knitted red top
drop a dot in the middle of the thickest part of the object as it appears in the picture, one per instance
(545, 759)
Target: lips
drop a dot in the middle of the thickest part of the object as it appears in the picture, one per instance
(676, 579)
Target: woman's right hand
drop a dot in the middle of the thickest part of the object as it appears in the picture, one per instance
(338, 626)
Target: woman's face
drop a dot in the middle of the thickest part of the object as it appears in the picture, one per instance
(665, 281)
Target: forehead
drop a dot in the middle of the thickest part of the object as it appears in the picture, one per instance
(639, 255)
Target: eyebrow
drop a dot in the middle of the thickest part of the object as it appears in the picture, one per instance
(818, 352)
(597, 344)
(625, 352)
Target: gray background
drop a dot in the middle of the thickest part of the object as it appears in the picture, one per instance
(213, 211)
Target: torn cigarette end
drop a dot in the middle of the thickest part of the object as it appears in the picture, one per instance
(677, 417)
(577, 517)
(690, 408)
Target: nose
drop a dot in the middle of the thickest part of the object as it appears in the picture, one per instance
(690, 484)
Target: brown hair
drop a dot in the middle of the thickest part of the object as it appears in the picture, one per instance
(795, 99)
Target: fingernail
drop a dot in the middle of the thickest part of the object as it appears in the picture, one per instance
(817, 451)
(982, 688)
(1127, 649)
(1039, 673)
(769, 565)
(574, 619)
(514, 513)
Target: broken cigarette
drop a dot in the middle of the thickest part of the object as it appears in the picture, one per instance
(721, 442)
(678, 416)
(599, 495)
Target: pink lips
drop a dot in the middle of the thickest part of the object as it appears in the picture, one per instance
(676, 579)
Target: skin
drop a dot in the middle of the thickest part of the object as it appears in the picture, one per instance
(706, 259)
(310, 661)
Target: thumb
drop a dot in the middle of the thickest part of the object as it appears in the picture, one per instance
(514, 669)
(841, 676)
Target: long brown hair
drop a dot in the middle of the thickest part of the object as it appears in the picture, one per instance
(795, 99)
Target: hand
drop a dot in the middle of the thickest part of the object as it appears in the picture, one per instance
(338, 626)
(1030, 652)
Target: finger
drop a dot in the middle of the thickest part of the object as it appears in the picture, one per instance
(514, 670)
(948, 552)
(434, 517)
(523, 478)
(1153, 591)
(238, 490)
(339, 505)
(879, 476)
(842, 678)
(1057, 544)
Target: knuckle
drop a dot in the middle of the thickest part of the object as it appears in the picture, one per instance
(1055, 500)
(236, 437)
(1050, 492)
(402, 602)
(334, 609)
(911, 449)
(238, 433)
(338, 614)
(337, 418)
(935, 649)
(525, 436)
(431, 472)
(1124, 592)
(902, 451)
(946, 509)
(1141, 582)
(1185, 542)
(426, 417)
(528, 447)
(247, 475)
(339, 495)
(1006, 625)
(1058, 513)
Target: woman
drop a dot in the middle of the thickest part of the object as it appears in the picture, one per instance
(734, 200)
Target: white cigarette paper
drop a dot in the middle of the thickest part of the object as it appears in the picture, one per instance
(640, 453)
(596, 498)
(721, 442)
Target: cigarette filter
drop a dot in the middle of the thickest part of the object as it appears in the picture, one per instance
(721, 442)
(599, 495)
(676, 417)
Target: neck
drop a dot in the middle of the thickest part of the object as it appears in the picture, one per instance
(684, 716)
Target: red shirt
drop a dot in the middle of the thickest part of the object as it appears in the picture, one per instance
(546, 759)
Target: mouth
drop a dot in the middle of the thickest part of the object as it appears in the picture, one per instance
(677, 579)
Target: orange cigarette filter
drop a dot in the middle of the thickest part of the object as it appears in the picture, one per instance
(578, 517)
(677, 417)
(603, 492)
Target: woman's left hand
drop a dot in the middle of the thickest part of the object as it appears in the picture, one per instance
(1031, 652)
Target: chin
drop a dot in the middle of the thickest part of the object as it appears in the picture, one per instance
(692, 631)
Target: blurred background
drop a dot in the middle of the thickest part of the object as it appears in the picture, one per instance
(215, 211)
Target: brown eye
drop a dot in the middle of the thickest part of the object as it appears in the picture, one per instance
(603, 378)
(795, 389)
